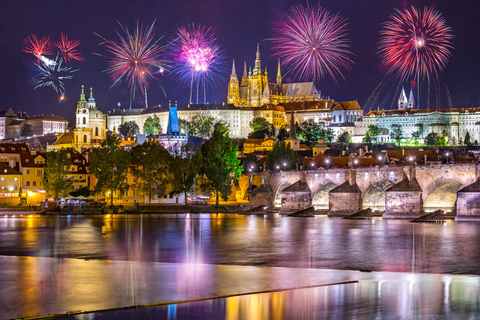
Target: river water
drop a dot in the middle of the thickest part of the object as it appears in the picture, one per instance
(60, 264)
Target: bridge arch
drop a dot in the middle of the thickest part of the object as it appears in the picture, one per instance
(374, 196)
(320, 198)
(442, 194)
(277, 200)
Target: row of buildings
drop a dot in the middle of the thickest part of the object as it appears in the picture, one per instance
(12, 124)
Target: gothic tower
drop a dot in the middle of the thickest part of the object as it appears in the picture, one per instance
(82, 132)
(402, 100)
(257, 81)
(411, 100)
(233, 95)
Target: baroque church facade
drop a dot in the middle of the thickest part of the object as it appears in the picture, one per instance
(90, 127)
(254, 90)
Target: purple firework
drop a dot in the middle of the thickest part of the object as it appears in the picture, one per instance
(312, 42)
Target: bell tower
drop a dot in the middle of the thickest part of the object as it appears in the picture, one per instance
(233, 95)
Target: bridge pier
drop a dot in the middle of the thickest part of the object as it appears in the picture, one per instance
(344, 200)
(403, 200)
(468, 203)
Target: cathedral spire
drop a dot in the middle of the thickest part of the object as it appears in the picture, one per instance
(233, 70)
(279, 75)
(82, 95)
(258, 65)
(411, 100)
(293, 134)
(244, 77)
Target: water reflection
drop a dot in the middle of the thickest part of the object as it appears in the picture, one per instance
(388, 297)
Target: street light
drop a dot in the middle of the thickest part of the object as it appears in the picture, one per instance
(447, 154)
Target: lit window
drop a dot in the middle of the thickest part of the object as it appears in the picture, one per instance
(15, 179)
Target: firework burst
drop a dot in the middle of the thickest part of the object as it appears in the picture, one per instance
(415, 43)
(135, 58)
(312, 42)
(51, 75)
(198, 59)
(67, 48)
(38, 47)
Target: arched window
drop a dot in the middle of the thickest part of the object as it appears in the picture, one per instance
(84, 120)
(85, 138)
(76, 139)
(96, 131)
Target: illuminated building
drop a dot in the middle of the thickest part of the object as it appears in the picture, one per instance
(174, 139)
(46, 124)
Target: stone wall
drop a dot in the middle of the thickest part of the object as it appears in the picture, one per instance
(343, 204)
(402, 205)
(468, 206)
(295, 201)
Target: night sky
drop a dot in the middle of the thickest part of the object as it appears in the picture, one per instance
(239, 26)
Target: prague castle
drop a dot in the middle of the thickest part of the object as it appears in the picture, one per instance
(254, 90)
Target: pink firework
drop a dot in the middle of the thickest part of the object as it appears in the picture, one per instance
(135, 57)
(415, 43)
(67, 47)
(38, 47)
(198, 59)
(312, 42)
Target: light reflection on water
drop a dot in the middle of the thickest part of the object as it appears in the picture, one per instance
(320, 242)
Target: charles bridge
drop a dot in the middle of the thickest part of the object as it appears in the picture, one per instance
(398, 191)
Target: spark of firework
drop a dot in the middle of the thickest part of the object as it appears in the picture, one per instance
(415, 43)
(38, 47)
(67, 48)
(51, 75)
(135, 57)
(198, 59)
(62, 98)
(312, 42)
(46, 61)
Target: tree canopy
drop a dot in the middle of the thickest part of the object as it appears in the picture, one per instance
(57, 168)
(26, 130)
(221, 167)
(201, 125)
(110, 165)
(396, 134)
(260, 128)
(152, 126)
(344, 137)
(282, 155)
(185, 165)
(128, 127)
(310, 131)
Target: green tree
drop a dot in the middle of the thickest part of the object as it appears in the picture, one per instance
(128, 127)
(260, 128)
(110, 165)
(467, 140)
(310, 131)
(282, 156)
(282, 133)
(367, 138)
(396, 134)
(344, 137)
(185, 165)
(373, 132)
(328, 135)
(151, 168)
(201, 125)
(26, 130)
(57, 169)
(220, 164)
(452, 141)
(431, 139)
(415, 137)
(152, 126)
(442, 139)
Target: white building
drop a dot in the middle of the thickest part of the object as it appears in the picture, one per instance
(45, 124)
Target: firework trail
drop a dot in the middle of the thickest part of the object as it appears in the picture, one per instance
(198, 59)
(67, 48)
(312, 42)
(415, 43)
(135, 58)
(38, 47)
(51, 75)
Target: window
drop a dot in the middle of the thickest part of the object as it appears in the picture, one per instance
(84, 120)
(28, 171)
(15, 187)
(15, 179)
(39, 172)
(3, 187)
(84, 138)
(27, 183)
(34, 183)
(96, 131)
(2, 178)
(5, 170)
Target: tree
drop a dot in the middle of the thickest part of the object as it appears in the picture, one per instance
(57, 169)
(396, 134)
(310, 131)
(431, 139)
(442, 139)
(282, 156)
(260, 128)
(185, 165)
(282, 133)
(220, 164)
(373, 132)
(109, 165)
(201, 125)
(151, 168)
(26, 130)
(467, 140)
(367, 138)
(344, 137)
(328, 135)
(415, 137)
(152, 126)
(128, 127)
(452, 141)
